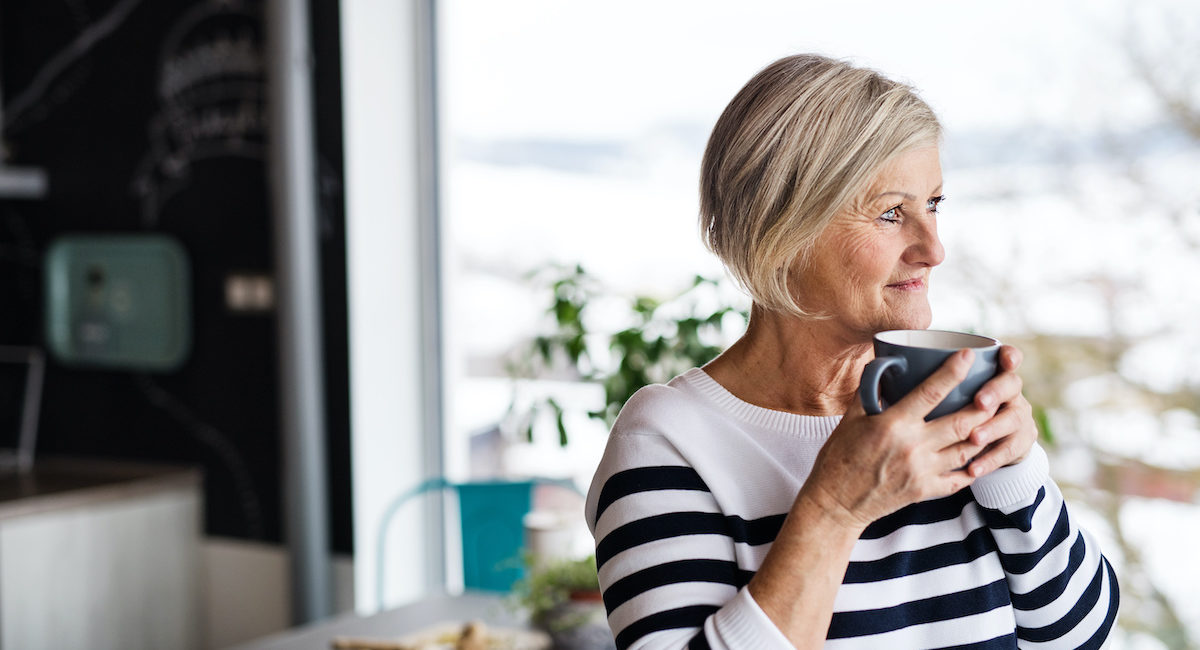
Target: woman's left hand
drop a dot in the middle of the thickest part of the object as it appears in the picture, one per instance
(1010, 434)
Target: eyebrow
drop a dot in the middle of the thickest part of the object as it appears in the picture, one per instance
(905, 195)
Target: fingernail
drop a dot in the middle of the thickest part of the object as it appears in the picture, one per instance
(980, 436)
(976, 470)
(985, 401)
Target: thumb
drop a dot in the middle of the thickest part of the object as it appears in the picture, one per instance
(929, 393)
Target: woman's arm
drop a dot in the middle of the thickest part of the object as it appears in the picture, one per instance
(665, 551)
(1064, 591)
(799, 579)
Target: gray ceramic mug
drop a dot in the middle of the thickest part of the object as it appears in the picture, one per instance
(905, 358)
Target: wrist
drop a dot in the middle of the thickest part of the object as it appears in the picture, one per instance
(798, 582)
(816, 507)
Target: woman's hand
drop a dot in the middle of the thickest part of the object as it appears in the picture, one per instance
(1009, 435)
(873, 465)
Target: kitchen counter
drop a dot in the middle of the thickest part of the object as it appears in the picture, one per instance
(57, 483)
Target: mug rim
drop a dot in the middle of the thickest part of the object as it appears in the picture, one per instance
(973, 341)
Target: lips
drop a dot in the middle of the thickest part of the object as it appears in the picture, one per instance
(911, 284)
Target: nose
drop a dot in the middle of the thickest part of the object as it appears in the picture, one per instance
(925, 248)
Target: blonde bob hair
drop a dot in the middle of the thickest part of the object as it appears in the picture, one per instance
(798, 143)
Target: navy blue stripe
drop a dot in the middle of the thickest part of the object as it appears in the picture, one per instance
(645, 479)
(1020, 563)
(649, 529)
(1049, 591)
(929, 610)
(675, 524)
(1006, 642)
(922, 512)
(755, 532)
(907, 563)
(1022, 519)
(1071, 619)
(699, 642)
(672, 619)
(1114, 601)
(718, 571)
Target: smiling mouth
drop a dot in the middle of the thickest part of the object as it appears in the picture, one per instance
(913, 284)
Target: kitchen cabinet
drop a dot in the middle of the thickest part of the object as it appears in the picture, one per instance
(98, 554)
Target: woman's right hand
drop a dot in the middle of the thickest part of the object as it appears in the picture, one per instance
(873, 465)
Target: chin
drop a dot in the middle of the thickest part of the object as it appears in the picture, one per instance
(912, 321)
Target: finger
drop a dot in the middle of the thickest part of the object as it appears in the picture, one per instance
(1004, 423)
(1010, 357)
(958, 457)
(1000, 389)
(929, 393)
(1002, 452)
(1013, 417)
(954, 428)
(994, 456)
(952, 481)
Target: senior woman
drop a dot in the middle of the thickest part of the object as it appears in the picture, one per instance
(752, 503)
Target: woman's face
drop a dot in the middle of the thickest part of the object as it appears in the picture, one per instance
(870, 267)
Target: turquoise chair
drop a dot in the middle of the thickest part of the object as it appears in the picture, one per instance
(491, 517)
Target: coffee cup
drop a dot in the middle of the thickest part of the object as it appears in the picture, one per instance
(905, 358)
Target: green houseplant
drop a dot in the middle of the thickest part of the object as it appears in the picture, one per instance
(662, 337)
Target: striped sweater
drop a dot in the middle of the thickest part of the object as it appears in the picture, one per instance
(695, 484)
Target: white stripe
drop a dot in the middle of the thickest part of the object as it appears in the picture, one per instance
(904, 589)
(959, 631)
(1012, 540)
(1087, 627)
(661, 551)
(751, 557)
(648, 504)
(918, 536)
(1062, 605)
(1050, 565)
(667, 597)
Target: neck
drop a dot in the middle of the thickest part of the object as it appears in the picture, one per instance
(784, 363)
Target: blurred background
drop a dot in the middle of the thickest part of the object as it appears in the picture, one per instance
(505, 239)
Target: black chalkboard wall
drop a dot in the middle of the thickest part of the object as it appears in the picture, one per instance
(149, 116)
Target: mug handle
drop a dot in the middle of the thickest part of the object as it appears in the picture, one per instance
(868, 389)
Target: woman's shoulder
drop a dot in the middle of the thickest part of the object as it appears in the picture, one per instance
(660, 408)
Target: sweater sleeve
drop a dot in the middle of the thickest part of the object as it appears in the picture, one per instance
(1064, 592)
(665, 554)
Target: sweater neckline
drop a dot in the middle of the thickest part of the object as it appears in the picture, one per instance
(809, 426)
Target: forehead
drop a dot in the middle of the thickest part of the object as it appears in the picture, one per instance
(917, 172)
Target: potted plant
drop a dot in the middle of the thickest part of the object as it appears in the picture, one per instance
(562, 597)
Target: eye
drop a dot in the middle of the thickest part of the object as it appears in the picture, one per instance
(891, 216)
(932, 204)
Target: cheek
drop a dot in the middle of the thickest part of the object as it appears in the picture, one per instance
(864, 263)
